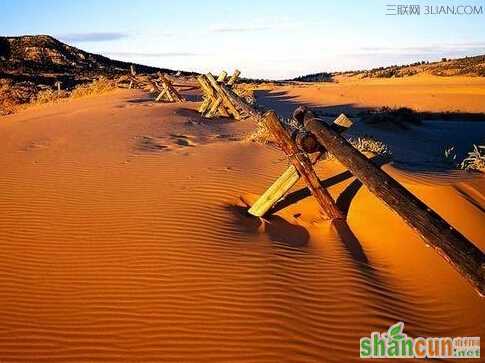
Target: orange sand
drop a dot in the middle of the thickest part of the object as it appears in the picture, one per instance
(421, 92)
(122, 240)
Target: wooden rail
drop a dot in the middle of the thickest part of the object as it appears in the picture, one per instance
(462, 254)
(303, 165)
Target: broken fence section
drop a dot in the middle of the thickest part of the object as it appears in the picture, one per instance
(161, 85)
(219, 97)
(450, 244)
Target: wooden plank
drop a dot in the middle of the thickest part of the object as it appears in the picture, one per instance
(303, 166)
(462, 254)
(275, 192)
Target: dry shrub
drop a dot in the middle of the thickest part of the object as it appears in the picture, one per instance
(13, 95)
(8, 103)
(370, 144)
(49, 96)
(475, 161)
(98, 86)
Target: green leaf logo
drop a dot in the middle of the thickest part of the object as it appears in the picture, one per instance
(395, 331)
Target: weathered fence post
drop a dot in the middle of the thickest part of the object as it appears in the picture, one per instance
(233, 78)
(306, 142)
(303, 165)
(462, 254)
(58, 85)
(222, 77)
(132, 76)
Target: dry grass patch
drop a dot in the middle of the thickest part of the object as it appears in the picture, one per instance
(475, 159)
(97, 87)
(23, 94)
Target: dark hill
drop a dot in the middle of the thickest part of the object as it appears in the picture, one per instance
(44, 59)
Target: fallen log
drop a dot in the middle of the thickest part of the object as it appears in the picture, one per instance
(462, 254)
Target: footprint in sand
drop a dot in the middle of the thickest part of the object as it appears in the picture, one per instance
(35, 145)
(228, 137)
(182, 140)
(149, 144)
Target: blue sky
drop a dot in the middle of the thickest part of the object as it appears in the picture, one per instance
(270, 39)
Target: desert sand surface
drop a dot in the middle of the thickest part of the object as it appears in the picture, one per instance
(125, 235)
(421, 92)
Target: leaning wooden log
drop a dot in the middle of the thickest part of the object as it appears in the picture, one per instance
(275, 192)
(210, 99)
(303, 165)
(291, 176)
(239, 103)
(171, 89)
(233, 78)
(208, 94)
(215, 106)
(222, 77)
(462, 254)
(166, 89)
(212, 105)
(225, 100)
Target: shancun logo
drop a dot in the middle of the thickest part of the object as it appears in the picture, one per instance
(396, 344)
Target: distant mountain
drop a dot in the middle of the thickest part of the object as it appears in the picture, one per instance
(468, 66)
(42, 58)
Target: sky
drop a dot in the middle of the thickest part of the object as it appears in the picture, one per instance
(264, 39)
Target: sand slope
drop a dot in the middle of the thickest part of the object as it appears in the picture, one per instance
(124, 239)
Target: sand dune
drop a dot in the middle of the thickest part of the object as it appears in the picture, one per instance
(125, 238)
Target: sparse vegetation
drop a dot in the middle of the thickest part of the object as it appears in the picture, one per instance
(449, 156)
(13, 96)
(469, 66)
(98, 86)
(370, 144)
(315, 77)
(475, 159)
(401, 117)
(49, 96)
